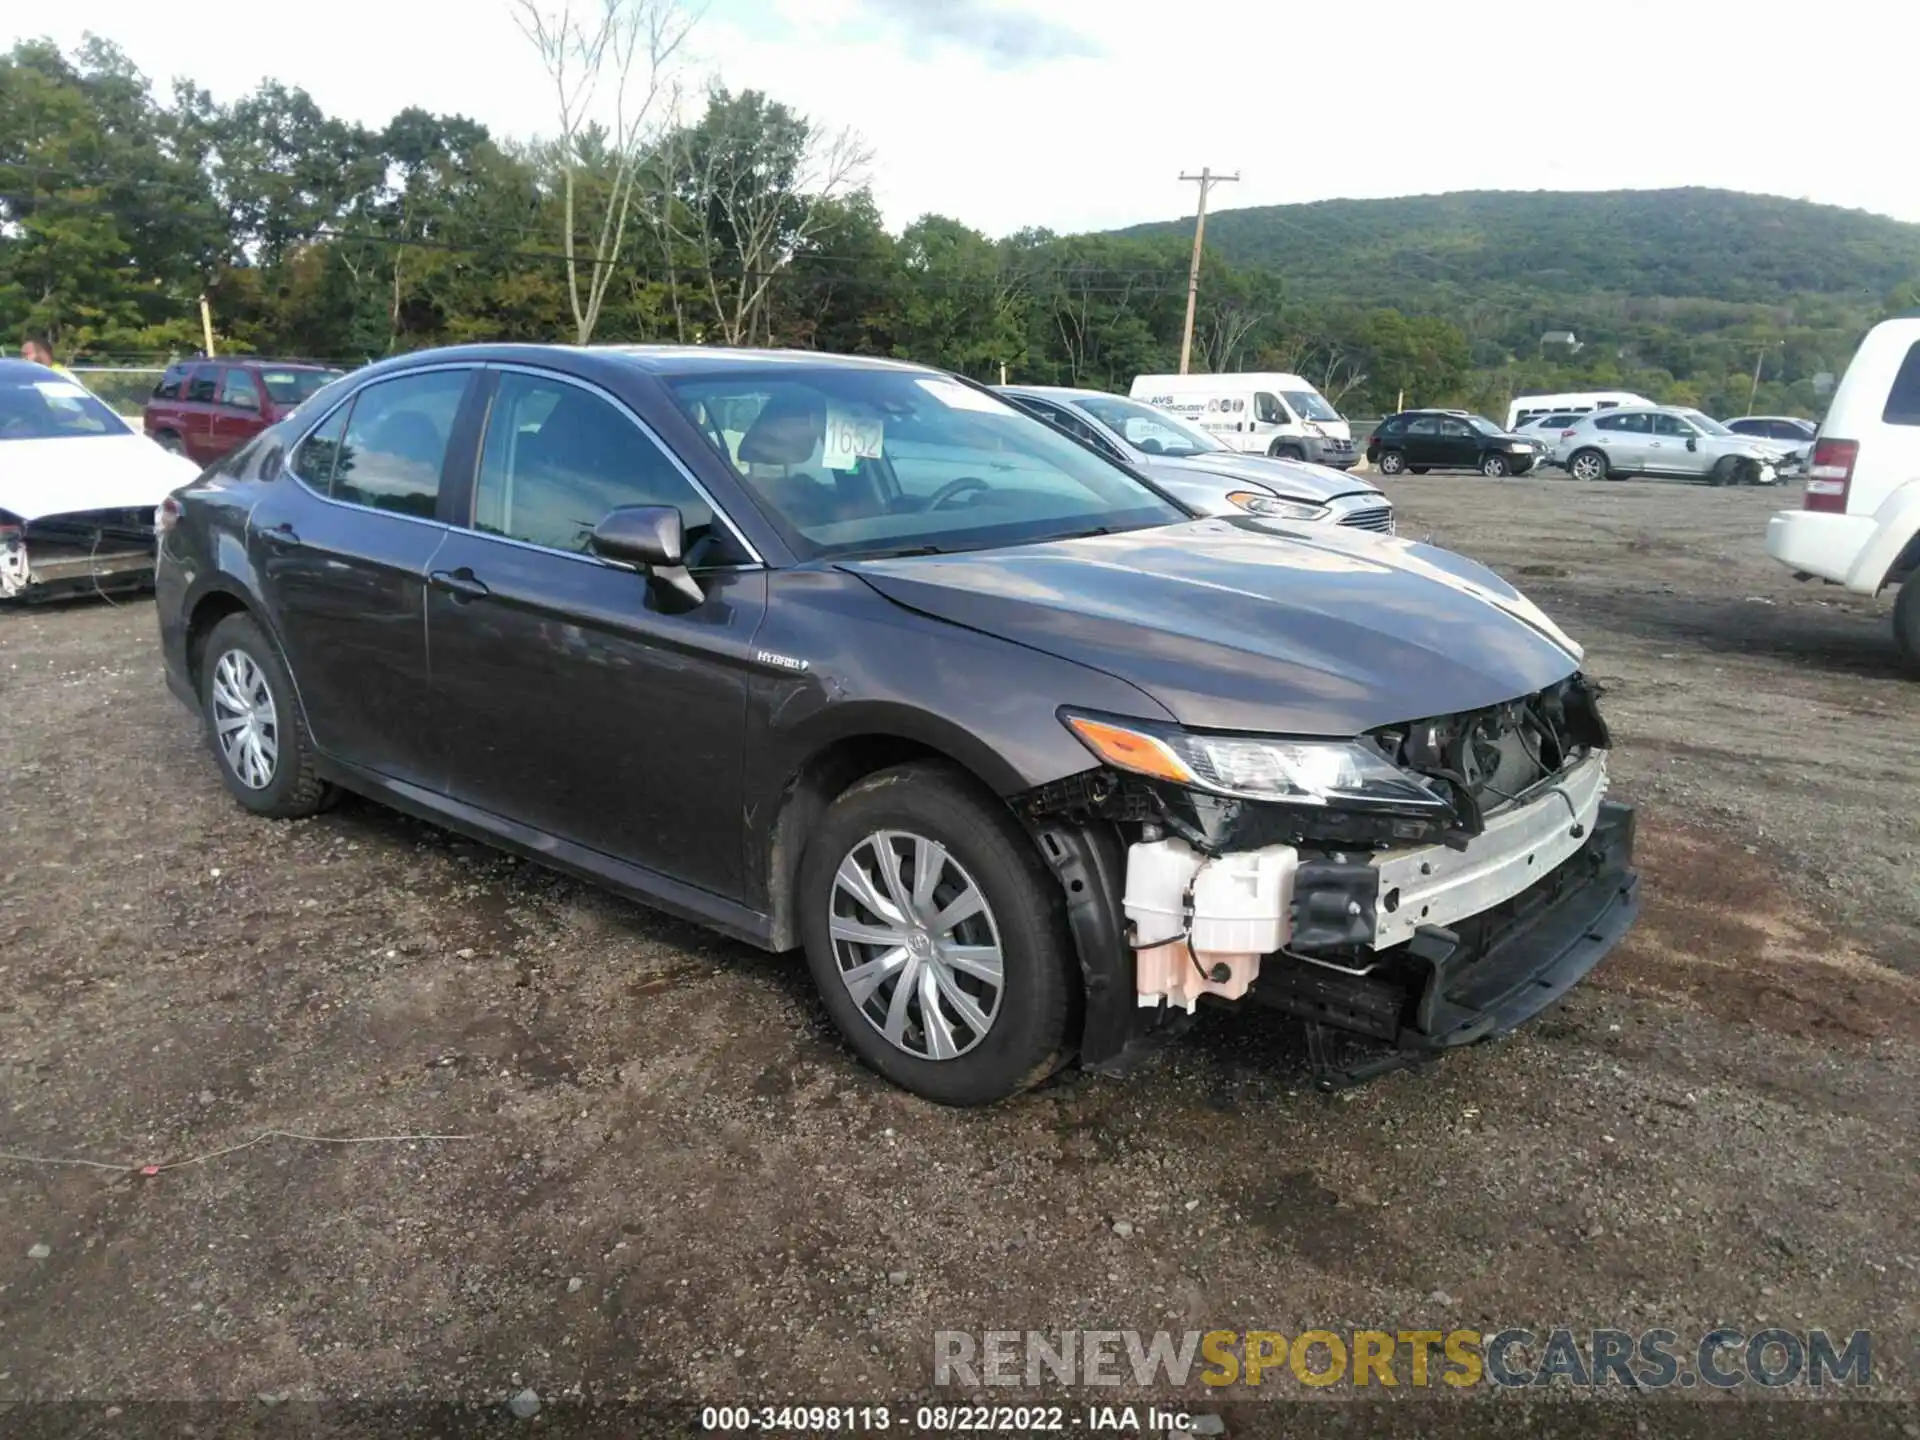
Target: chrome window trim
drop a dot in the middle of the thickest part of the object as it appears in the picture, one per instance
(348, 399)
(506, 367)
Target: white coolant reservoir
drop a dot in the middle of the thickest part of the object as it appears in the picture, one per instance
(1238, 913)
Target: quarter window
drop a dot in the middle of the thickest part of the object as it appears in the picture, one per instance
(558, 460)
(1903, 400)
(313, 459)
(396, 442)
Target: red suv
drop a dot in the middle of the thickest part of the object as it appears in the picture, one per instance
(206, 408)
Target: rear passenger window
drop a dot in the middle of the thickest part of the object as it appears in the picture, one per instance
(1903, 401)
(204, 385)
(396, 442)
(559, 459)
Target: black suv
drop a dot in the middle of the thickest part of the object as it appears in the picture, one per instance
(854, 657)
(1423, 440)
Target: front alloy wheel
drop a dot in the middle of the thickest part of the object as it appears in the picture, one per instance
(916, 945)
(1494, 467)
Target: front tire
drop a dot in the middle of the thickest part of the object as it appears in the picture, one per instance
(1494, 467)
(937, 938)
(1589, 465)
(1906, 623)
(1286, 452)
(1392, 462)
(254, 725)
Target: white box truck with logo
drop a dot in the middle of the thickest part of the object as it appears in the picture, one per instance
(1262, 412)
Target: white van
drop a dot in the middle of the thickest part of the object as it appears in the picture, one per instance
(1264, 413)
(1860, 525)
(1580, 402)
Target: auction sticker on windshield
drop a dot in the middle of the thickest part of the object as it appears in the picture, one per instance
(852, 435)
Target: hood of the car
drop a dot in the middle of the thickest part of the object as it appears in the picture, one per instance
(1257, 626)
(1226, 470)
(67, 476)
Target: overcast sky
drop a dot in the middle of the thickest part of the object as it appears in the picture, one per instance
(1078, 114)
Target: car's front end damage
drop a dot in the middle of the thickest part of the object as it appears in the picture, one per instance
(79, 552)
(1423, 886)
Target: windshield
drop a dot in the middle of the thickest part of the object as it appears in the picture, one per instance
(1309, 405)
(1706, 422)
(290, 387)
(1151, 431)
(53, 409)
(849, 461)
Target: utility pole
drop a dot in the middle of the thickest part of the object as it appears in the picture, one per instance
(1206, 180)
(206, 325)
(1753, 395)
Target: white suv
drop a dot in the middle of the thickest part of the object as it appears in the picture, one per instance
(1861, 523)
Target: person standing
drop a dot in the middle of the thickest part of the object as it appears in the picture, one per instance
(36, 349)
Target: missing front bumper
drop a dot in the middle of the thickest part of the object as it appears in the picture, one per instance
(1482, 978)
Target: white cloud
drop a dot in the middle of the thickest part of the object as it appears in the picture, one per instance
(1004, 122)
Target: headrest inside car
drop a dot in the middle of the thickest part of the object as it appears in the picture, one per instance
(785, 432)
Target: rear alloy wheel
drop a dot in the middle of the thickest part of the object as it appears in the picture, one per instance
(1392, 462)
(1588, 465)
(1906, 623)
(254, 724)
(1494, 467)
(936, 937)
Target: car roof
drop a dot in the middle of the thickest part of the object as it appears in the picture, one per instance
(26, 370)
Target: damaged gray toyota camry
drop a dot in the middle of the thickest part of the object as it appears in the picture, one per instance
(852, 657)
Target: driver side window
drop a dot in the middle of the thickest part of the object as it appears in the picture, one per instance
(558, 459)
(1268, 410)
(1672, 425)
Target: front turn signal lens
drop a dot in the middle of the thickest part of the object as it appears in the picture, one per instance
(1130, 749)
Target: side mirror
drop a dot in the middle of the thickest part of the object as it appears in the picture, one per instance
(1693, 442)
(651, 538)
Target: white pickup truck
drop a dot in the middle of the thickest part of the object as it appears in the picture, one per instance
(1860, 523)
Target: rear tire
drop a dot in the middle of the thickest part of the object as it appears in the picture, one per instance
(254, 725)
(167, 440)
(941, 836)
(1906, 623)
(1392, 462)
(1589, 465)
(1494, 467)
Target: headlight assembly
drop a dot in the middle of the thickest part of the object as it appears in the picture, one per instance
(1255, 767)
(1272, 507)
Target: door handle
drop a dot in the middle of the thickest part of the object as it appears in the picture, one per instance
(460, 584)
(282, 536)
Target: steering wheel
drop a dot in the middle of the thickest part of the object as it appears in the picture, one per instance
(962, 486)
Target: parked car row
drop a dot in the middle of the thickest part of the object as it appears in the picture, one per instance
(204, 409)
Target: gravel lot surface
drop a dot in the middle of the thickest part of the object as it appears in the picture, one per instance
(677, 1186)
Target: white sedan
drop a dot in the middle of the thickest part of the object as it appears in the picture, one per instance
(78, 488)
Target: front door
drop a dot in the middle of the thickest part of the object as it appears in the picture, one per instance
(580, 697)
(1667, 452)
(342, 548)
(1459, 445)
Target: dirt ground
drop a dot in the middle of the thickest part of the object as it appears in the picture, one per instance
(676, 1186)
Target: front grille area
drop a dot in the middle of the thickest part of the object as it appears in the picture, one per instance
(1378, 519)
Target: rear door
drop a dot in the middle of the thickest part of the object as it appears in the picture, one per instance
(1624, 435)
(580, 697)
(343, 547)
(200, 398)
(236, 418)
(1423, 443)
